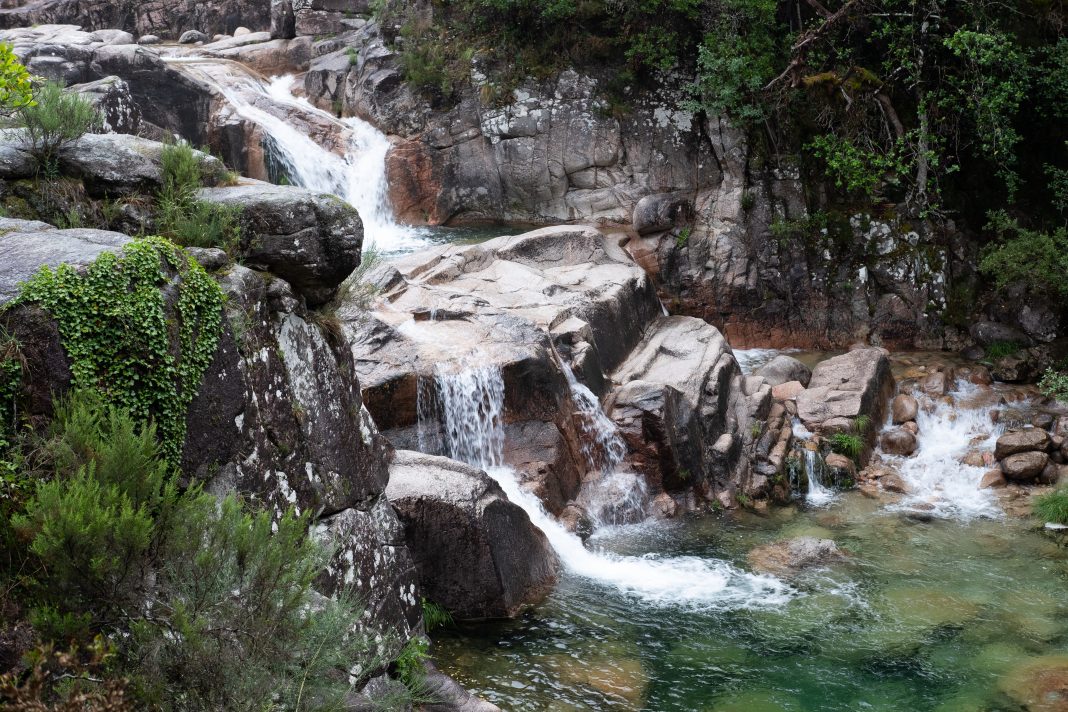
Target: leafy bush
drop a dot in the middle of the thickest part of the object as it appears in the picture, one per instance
(847, 444)
(1001, 349)
(183, 218)
(211, 607)
(1053, 507)
(1037, 259)
(1054, 384)
(57, 117)
(16, 91)
(123, 338)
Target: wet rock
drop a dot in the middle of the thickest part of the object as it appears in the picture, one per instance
(477, 554)
(937, 384)
(787, 391)
(989, 332)
(854, 384)
(312, 241)
(783, 369)
(447, 695)
(791, 556)
(1050, 474)
(1043, 421)
(1024, 466)
(192, 37)
(1022, 440)
(1039, 684)
(662, 211)
(841, 464)
(894, 483)
(904, 408)
(664, 506)
(992, 479)
(898, 441)
(577, 521)
(911, 426)
(149, 40)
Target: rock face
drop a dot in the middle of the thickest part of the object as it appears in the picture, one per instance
(159, 17)
(527, 308)
(477, 554)
(783, 369)
(278, 417)
(791, 556)
(846, 387)
(312, 241)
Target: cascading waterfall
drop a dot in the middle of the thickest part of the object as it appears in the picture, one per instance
(811, 464)
(472, 404)
(938, 482)
(359, 177)
(611, 496)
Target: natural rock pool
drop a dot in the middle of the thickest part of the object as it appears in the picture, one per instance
(938, 615)
(943, 602)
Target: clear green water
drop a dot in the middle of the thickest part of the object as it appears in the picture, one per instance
(937, 615)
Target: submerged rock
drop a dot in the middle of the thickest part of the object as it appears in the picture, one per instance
(1039, 684)
(790, 556)
(477, 553)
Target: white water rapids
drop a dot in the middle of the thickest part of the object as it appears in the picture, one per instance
(471, 401)
(358, 177)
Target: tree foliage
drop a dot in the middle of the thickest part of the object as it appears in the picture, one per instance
(16, 91)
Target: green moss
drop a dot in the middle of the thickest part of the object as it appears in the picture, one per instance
(114, 324)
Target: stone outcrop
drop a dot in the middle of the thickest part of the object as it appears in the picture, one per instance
(166, 18)
(278, 417)
(477, 554)
(843, 388)
(531, 305)
(313, 241)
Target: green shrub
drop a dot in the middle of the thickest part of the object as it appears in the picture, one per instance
(1001, 349)
(847, 444)
(210, 606)
(183, 218)
(1037, 259)
(861, 424)
(1053, 507)
(57, 117)
(124, 339)
(435, 615)
(16, 90)
(1054, 384)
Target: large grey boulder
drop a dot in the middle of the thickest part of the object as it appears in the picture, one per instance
(783, 369)
(28, 245)
(113, 99)
(313, 241)
(114, 165)
(192, 37)
(857, 383)
(477, 553)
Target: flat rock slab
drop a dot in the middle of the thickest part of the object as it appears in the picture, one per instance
(29, 245)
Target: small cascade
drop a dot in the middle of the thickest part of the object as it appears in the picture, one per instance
(938, 482)
(613, 497)
(472, 404)
(358, 176)
(810, 477)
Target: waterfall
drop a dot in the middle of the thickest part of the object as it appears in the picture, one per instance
(358, 177)
(938, 482)
(602, 447)
(818, 493)
(471, 402)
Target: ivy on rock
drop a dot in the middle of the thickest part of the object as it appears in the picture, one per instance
(140, 327)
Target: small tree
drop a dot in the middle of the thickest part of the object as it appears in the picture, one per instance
(56, 117)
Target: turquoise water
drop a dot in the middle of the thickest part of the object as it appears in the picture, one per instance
(938, 615)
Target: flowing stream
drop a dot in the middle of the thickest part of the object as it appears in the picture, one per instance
(471, 401)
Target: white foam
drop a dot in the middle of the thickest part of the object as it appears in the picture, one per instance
(938, 481)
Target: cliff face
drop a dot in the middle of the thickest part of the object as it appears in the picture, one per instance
(141, 17)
